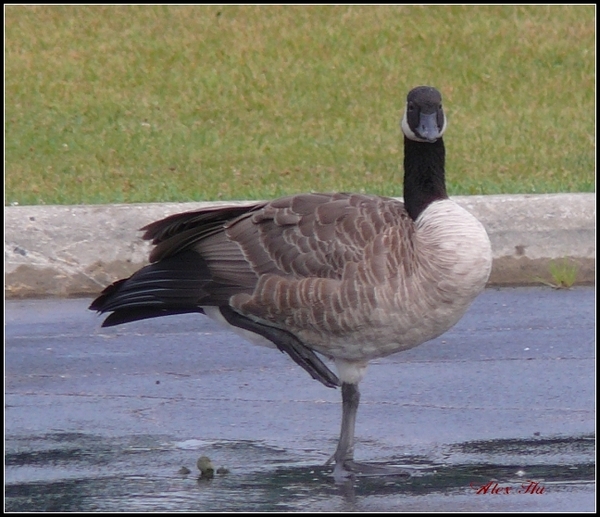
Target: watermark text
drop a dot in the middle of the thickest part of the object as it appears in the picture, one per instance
(494, 488)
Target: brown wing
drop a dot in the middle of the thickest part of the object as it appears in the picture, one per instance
(308, 235)
(292, 238)
(316, 256)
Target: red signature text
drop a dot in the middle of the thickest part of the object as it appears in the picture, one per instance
(493, 488)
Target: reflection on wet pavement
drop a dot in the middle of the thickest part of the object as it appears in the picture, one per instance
(498, 414)
(70, 472)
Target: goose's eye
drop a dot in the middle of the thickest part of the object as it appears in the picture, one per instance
(411, 106)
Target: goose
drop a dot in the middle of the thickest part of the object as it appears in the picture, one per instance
(338, 276)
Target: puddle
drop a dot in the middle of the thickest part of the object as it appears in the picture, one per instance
(68, 472)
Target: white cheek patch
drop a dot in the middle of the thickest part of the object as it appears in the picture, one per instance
(443, 130)
(408, 131)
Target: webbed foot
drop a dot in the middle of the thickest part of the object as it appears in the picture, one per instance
(349, 469)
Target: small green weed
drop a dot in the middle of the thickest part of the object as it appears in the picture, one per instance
(563, 273)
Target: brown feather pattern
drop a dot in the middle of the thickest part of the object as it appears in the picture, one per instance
(310, 261)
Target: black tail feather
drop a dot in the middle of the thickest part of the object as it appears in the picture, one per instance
(174, 285)
(126, 316)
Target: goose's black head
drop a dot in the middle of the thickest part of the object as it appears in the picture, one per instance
(424, 119)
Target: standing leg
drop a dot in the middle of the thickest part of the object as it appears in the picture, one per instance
(344, 454)
(345, 466)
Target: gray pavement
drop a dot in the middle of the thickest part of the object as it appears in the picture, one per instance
(103, 419)
(78, 250)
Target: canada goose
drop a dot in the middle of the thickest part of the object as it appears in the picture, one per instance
(353, 277)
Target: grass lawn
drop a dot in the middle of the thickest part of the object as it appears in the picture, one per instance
(112, 104)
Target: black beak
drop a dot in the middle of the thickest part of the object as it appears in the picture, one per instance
(428, 128)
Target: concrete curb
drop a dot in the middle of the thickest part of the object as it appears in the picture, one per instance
(78, 250)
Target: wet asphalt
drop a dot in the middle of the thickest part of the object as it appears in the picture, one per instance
(498, 414)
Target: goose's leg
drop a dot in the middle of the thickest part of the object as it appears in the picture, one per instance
(344, 454)
(345, 466)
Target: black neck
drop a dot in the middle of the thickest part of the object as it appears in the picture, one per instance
(424, 177)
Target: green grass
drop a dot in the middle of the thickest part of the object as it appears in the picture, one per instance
(176, 103)
(563, 273)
